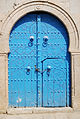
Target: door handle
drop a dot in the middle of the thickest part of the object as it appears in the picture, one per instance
(48, 68)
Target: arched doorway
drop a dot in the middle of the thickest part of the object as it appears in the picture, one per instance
(39, 62)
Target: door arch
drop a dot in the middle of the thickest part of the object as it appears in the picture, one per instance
(39, 62)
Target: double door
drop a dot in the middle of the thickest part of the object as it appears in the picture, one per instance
(39, 62)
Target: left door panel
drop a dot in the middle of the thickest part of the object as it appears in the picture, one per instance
(21, 62)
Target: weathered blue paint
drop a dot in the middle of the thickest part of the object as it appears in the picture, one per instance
(39, 62)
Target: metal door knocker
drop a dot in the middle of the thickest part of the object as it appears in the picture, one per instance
(45, 40)
(30, 44)
(28, 70)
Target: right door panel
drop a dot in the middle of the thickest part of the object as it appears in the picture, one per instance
(53, 43)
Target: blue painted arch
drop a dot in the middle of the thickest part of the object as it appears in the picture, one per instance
(30, 82)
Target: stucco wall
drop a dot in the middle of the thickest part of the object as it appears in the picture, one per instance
(72, 9)
(71, 6)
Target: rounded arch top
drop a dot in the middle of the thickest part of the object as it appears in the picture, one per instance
(49, 7)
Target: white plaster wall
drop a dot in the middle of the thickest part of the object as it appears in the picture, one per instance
(72, 7)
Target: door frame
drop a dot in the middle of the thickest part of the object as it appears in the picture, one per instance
(22, 10)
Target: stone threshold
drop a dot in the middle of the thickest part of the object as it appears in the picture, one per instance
(34, 110)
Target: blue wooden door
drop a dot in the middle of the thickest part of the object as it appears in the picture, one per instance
(39, 62)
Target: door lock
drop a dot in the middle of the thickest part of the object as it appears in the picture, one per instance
(37, 69)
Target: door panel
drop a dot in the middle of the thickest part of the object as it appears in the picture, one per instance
(54, 82)
(53, 44)
(22, 56)
(39, 62)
